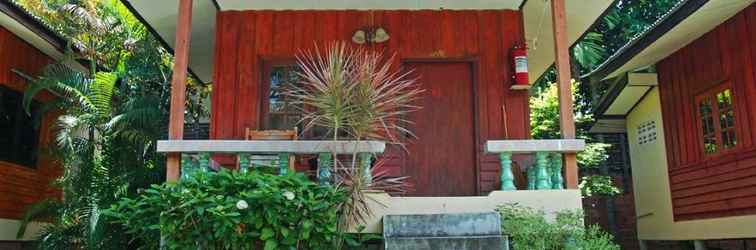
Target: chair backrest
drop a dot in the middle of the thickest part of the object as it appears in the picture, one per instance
(273, 135)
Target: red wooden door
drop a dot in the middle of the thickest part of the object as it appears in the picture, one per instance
(441, 160)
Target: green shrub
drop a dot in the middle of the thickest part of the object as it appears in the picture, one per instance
(529, 229)
(232, 210)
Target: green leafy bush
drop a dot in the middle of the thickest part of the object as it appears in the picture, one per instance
(530, 230)
(233, 210)
(595, 185)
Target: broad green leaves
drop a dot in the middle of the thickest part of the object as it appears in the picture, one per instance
(530, 229)
(203, 211)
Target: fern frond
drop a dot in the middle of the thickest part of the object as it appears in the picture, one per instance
(101, 93)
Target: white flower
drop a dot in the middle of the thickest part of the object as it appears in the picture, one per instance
(289, 195)
(242, 204)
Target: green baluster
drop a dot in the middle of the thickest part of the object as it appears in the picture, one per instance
(547, 169)
(186, 164)
(324, 168)
(507, 177)
(532, 177)
(542, 177)
(557, 181)
(366, 160)
(244, 162)
(283, 163)
(204, 161)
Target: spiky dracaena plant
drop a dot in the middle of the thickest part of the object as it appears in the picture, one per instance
(357, 208)
(356, 94)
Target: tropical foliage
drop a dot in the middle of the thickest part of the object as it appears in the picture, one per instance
(113, 109)
(530, 229)
(544, 124)
(234, 210)
(100, 146)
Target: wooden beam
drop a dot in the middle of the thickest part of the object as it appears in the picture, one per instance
(178, 85)
(566, 120)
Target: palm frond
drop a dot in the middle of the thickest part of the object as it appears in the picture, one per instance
(71, 130)
(589, 52)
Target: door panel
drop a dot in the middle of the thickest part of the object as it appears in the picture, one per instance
(441, 160)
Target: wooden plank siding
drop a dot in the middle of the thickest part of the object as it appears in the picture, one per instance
(246, 40)
(723, 184)
(21, 186)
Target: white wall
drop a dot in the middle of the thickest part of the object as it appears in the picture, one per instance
(653, 201)
(9, 228)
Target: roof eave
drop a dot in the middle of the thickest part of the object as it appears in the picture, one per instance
(630, 50)
(157, 35)
(32, 23)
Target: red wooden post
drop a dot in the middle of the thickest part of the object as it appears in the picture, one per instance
(566, 121)
(178, 85)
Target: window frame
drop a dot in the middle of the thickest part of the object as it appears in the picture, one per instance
(711, 94)
(15, 158)
(314, 133)
(268, 66)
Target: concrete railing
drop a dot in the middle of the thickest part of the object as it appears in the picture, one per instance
(546, 173)
(195, 154)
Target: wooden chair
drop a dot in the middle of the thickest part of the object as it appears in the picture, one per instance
(271, 135)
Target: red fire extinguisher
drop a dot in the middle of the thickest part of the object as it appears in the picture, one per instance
(520, 60)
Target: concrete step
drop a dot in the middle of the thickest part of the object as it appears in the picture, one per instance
(434, 243)
(443, 231)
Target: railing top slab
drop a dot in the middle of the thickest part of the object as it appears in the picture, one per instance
(531, 146)
(259, 146)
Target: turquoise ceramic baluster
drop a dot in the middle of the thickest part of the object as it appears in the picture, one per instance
(542, 176)
(532, 177)
(204, 162)
(186, 165)
(324, 168)
(557, 181)
(366, 159)
(244, 163)
(507, 178)
(549, 173)
(283, 163)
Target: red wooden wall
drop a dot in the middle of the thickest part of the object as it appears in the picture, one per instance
(246, 40)
(22, 186)
(717, 185)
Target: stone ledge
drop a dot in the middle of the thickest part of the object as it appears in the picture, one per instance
(252, 146)
(531, 146)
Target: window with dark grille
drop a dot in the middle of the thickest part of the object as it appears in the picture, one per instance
(281, 112)
(717, 120)
(19, 135)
